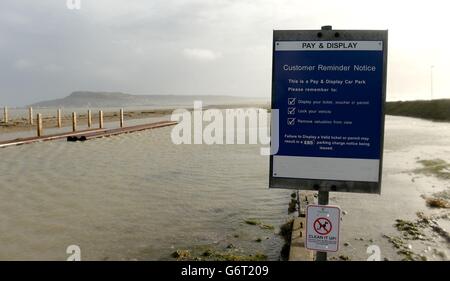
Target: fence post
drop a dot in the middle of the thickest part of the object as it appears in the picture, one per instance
(5, 114)
(89, 119)
(121, 118)
(39, 125)
(58, 118)
(100, 119)
(74, 121)
(30, 115)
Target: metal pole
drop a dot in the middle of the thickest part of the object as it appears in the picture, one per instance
(323, 194)
(323, 200)
(431, 80)
(323, 197)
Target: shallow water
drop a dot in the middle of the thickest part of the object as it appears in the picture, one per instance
(138, 196)
(134, 196)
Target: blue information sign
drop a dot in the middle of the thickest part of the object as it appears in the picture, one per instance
(330, 97)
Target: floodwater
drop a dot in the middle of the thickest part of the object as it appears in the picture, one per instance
(138, 196)
(135, 196)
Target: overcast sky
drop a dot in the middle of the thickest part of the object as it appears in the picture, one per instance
(200, 46)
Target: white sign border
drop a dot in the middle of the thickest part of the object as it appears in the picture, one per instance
(338, 232)
(297, 45)
(326, 184)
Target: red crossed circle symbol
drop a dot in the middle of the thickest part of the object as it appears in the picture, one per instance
(322, 226)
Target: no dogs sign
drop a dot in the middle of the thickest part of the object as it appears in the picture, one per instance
(322, 228)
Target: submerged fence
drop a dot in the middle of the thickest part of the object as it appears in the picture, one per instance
(7, 120)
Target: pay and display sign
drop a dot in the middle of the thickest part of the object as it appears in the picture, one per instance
(322, 228)
(330, 95)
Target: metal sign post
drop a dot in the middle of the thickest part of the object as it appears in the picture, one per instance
(329, 91)
(323, 200)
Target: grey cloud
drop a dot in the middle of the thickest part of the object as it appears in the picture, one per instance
(110, 45)
(160, 47)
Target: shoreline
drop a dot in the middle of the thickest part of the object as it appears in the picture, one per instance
(437, 110)
(22, 124)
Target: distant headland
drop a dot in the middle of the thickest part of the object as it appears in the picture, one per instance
(80, 99)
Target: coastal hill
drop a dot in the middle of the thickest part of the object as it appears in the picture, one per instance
(437, 110)
(117, 99)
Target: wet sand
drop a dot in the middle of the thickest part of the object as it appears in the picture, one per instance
(370, 217)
